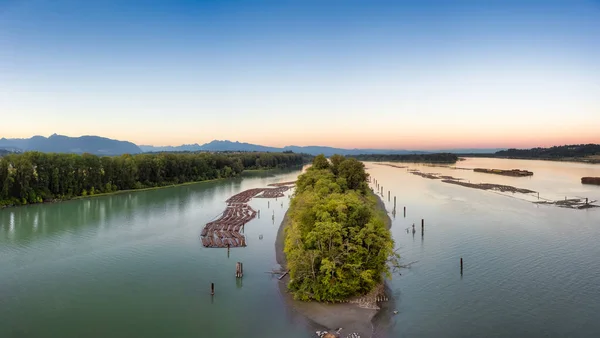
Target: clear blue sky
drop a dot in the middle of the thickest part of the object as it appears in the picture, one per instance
(393, 74)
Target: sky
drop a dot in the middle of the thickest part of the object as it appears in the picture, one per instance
(355, 74)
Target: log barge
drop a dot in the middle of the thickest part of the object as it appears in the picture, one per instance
(512, 172)
(590, 180)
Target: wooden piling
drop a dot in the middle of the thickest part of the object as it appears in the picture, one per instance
(239, 270)
(394, 202)
(388, 195)
(461, 265)
(422, 226)
(404, 212)
(212, 288)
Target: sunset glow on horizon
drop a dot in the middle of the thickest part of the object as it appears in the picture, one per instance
(404, 75)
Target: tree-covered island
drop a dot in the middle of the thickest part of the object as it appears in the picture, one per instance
(337, 245)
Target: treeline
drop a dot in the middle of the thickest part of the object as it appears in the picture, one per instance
(416, 158)
(556, 152)
(35, 177)
(337, 244)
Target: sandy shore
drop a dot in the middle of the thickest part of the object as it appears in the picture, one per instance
(351, 317)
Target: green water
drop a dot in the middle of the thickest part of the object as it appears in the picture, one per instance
(132, 265)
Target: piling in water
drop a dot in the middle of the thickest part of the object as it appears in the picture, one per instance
(212, 288)
(422, 226)
(239, 270)
(461, 265)
(404, 212)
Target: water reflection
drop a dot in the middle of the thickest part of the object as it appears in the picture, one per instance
(20, 225)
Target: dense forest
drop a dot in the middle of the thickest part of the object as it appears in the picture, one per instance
(556, 152)
(415, 158)
(337, 244)
(35, 177)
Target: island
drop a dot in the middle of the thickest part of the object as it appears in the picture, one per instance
(336, 244)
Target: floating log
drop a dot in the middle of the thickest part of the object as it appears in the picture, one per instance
(490, 186)
(225, 231)
(590, 180)
(281, 277)
(512, 172)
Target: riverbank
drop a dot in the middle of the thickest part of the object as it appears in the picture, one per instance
(595, 159)
(352, 317)
(118, 192)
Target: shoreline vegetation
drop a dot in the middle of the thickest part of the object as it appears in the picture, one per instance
(446, 158)
(35, 177)
(585, 153)
(335, 242)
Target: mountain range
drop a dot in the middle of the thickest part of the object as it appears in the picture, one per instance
(104, 146)
(65, 144)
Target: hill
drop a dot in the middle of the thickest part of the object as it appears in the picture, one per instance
(225, 145)
(4, 152)
(64, 144)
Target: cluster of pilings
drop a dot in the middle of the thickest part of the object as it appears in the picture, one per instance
(379, 189)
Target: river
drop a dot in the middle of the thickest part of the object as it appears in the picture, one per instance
(132, 265)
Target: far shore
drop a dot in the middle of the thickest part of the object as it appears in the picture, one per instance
(112, 193)
(327, 316)
(593, 160)
(137, 190)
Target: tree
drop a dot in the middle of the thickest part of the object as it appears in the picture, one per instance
(32, 177)
(353, 173)
(336, 160)
(320, 162)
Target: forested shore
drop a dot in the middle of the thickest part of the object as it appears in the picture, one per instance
(414, 158)
(35, 177)
(337, 245)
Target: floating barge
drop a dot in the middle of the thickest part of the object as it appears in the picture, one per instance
(590, 180)
(512, 172)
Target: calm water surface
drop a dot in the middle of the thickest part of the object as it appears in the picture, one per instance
(132, 265)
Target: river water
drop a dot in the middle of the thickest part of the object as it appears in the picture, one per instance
(132, 265)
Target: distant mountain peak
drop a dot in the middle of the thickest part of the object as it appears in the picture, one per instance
(65, 144)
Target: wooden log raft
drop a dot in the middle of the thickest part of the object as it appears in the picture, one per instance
(590, 180)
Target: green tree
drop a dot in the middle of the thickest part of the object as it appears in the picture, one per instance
(320, 162)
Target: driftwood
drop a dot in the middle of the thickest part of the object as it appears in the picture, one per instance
(281, 277)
